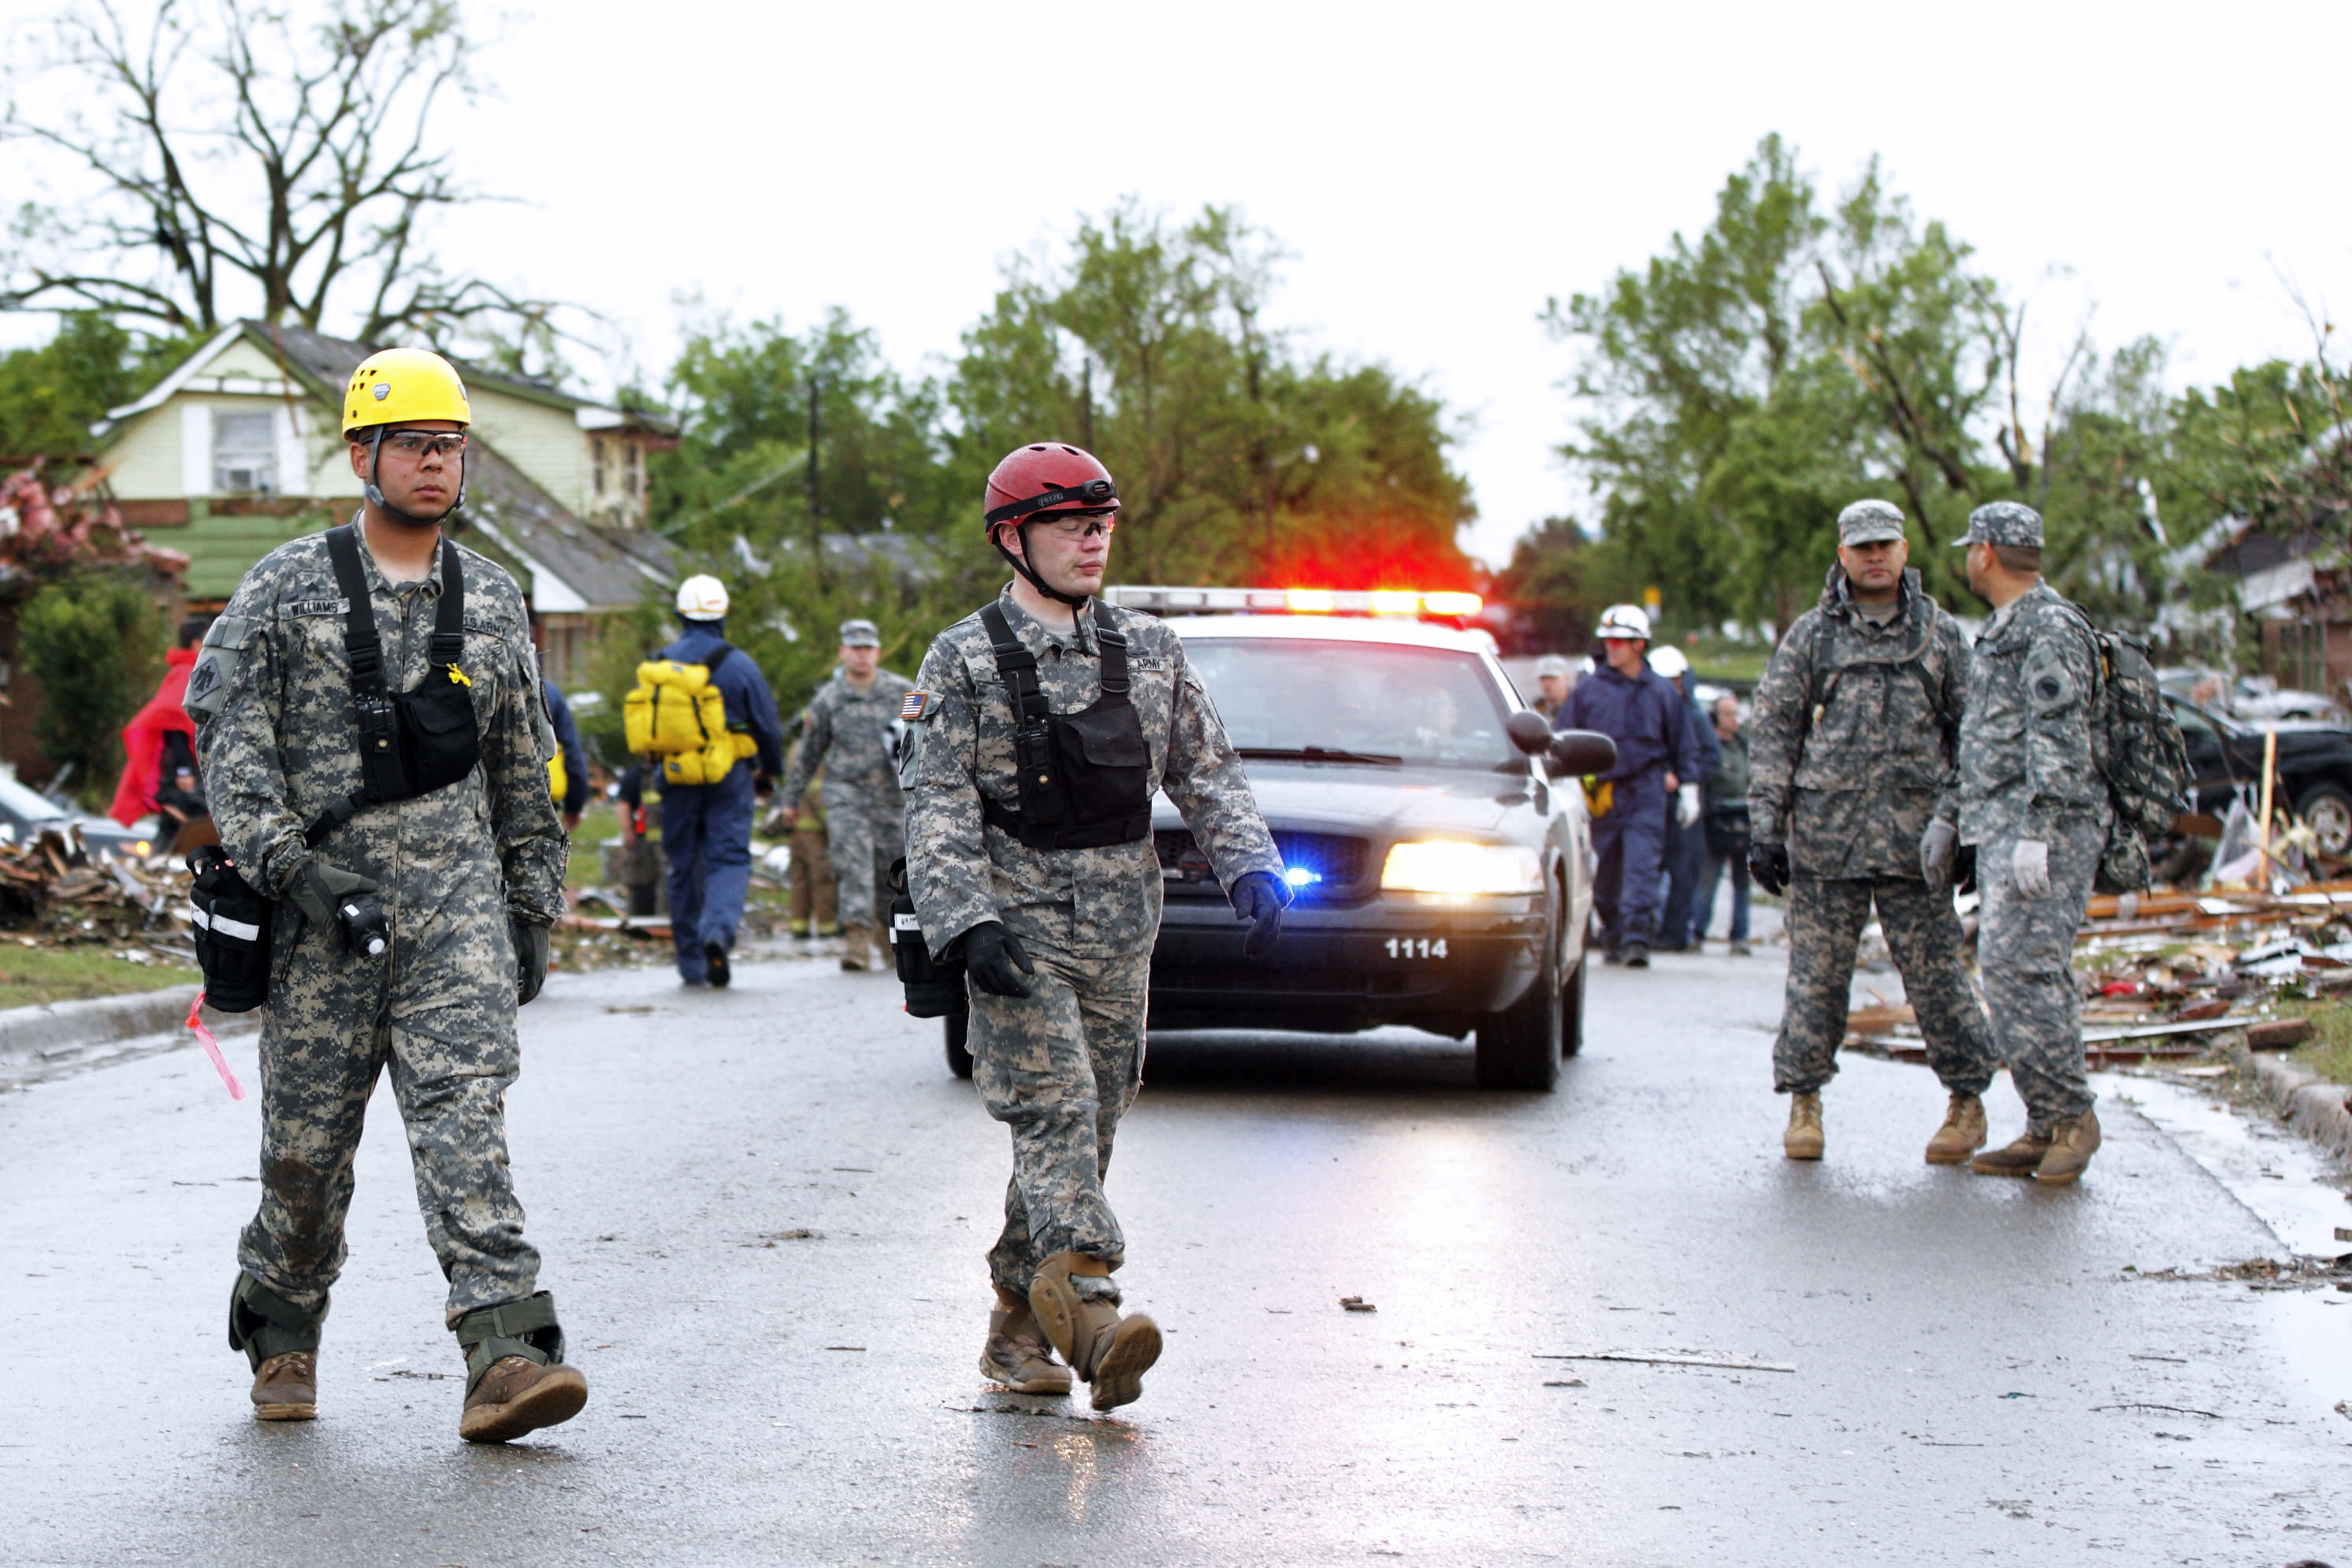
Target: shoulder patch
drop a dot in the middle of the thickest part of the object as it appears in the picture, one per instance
(918, 706)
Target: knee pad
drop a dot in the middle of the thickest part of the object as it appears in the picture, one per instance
(262, 1323)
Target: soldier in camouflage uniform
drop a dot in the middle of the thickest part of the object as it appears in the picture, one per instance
(849, 731)
(470, 875)
(2035, 804)
(1851, 754)
(816, 909)
(1058, 941)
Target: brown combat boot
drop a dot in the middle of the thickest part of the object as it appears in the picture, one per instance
(286, 1387)
(1016, 1353)
(1962, 1134)
(516, 1378)
(1110, 1352)
(857, 947)
(2018, 1159)
(2072, 1144)
(1802, 1141)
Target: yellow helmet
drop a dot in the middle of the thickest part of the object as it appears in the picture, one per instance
(396, 386)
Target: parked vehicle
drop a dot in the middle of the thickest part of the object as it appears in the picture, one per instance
(2314, 768)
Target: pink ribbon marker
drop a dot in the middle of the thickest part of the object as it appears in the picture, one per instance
(212, 1048)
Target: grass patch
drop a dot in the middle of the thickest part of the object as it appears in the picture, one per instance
(601, 821)
(31, 975)
(2329, 1052)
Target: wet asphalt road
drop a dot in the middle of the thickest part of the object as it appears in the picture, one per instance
(1977, 1374)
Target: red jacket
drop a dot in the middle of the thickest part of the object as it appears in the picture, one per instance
(142, 739)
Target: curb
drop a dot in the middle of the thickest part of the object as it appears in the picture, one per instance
(37, 1037)
(2320, 1111)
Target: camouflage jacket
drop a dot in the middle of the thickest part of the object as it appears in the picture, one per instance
(1851, 751)
(1088, 903)
(849, 736)
(2026, 759)
(278, 738)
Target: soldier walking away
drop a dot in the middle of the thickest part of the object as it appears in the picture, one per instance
(1632, 803)
(1554, 676)
(1724, 818)
(2034, 802)
(816, 905)
(1044, 724)
(1851, 754)
(849, 731)
(707, 828)
(1686, 855)
(369, 718)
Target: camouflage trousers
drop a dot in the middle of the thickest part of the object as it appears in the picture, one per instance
(865, 829)
(439, 1011)
(813, 891)
(1060, 1066)
(1824, 922)
(2025, 950)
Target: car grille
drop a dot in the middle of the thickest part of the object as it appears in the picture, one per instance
(1339, 863)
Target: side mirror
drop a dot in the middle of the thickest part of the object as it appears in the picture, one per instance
(1578, 753)
(1529, 731)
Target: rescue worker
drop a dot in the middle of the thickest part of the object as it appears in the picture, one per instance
(849, 731)
(576, 756)
(816, 896)
(1632, 803)
(1723, 819)
(1554, 676)
(707, 828)
(1686, 855)
(1851, 755)
(442, 828)
(2035, 804)
(1043, 875)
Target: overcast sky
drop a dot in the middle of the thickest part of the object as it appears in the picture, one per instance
(1435, 171)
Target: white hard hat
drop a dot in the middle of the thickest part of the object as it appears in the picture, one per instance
(1668, 661)
(702, 598)
(1624, 621)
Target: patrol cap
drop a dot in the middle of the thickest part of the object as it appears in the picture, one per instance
(859, 633)
(1868, 521)
(2003, 523)
(1551, 664)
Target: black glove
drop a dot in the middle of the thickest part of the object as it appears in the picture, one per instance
(317, 887)
(993, 958)
(1260, 898)
(530, 959)
(1964, 869)
(1768, 864)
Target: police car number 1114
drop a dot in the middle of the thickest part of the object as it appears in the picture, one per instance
(1404, 947)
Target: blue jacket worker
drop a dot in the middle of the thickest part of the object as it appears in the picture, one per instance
(576, 756)
(1686, 833)
(707, 828)
(1632, 803)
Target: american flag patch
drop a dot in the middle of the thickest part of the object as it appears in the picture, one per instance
(918, 707)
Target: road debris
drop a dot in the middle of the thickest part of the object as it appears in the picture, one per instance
(54, 892)
(1712, 1361)
(1357, 1304)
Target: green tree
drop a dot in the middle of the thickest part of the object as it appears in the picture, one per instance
(95, 641)
(50, 395)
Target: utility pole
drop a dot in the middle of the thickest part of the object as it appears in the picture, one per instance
(815, 494)
(1087, 404)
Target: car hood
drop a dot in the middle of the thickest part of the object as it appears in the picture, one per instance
(1341, 798)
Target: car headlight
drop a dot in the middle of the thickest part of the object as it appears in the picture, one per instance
(1446, 865)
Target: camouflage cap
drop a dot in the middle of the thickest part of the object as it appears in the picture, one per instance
(2003, 523)
(860, 634)
(1868, 521)
(1551, 664)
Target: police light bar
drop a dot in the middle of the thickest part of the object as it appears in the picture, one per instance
(1440, 605)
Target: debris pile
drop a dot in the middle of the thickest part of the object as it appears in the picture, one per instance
(54, 892)
(2171, 973)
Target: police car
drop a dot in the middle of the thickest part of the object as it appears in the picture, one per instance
(1442, 876)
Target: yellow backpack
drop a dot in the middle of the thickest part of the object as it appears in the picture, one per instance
(675, 716)
(559, 782)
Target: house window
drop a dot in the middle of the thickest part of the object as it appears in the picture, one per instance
(633, 477)
(597, 467)
(244, 451)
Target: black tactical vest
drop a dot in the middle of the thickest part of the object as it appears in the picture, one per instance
(1084, 777)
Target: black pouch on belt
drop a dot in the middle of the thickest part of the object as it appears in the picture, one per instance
(232, 931)
(934, 987)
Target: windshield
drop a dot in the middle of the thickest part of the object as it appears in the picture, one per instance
(1414, 705)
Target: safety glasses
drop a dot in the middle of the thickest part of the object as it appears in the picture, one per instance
(1080, 525)
(417, 444)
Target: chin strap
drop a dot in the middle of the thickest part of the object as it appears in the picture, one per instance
(375, 492)
(1075, 601)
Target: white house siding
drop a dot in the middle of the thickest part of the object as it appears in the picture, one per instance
(543, 442)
